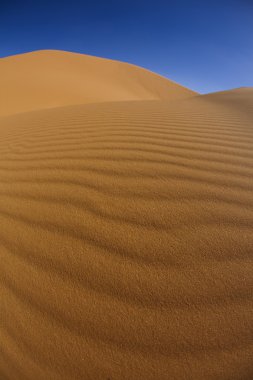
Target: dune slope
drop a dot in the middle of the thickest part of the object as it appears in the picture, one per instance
(126, 242)
(240, 98)
(46, 79)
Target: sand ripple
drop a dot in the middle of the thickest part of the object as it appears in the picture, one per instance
(126, 241)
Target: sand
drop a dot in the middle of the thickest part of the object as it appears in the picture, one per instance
(126, 239)
(46, 79)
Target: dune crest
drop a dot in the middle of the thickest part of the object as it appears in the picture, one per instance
(48, 78)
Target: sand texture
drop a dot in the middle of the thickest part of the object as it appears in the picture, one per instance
(126, 240)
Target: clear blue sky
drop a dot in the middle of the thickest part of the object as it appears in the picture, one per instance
(205, 45)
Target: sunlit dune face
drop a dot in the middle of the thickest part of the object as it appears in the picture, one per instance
(47, 79)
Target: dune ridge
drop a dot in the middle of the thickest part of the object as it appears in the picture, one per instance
(51, 78)
(126, 240)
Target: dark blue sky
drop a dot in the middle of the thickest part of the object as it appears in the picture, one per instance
(205, 45)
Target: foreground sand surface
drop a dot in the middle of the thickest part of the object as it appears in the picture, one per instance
(126, 240)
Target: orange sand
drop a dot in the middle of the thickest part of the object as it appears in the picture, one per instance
(126, 231)
(47, 79)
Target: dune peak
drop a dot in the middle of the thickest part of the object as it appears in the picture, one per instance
(53, 78)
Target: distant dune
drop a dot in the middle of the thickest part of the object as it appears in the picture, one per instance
(126, 234)
(46, 79)
(240, 98)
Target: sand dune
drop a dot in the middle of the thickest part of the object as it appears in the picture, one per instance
(126, 241)
(240, 98)
(46, 79)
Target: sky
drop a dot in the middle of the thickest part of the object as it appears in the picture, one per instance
(202, 44)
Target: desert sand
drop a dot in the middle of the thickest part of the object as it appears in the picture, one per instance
(46, 79)
(126, 234)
